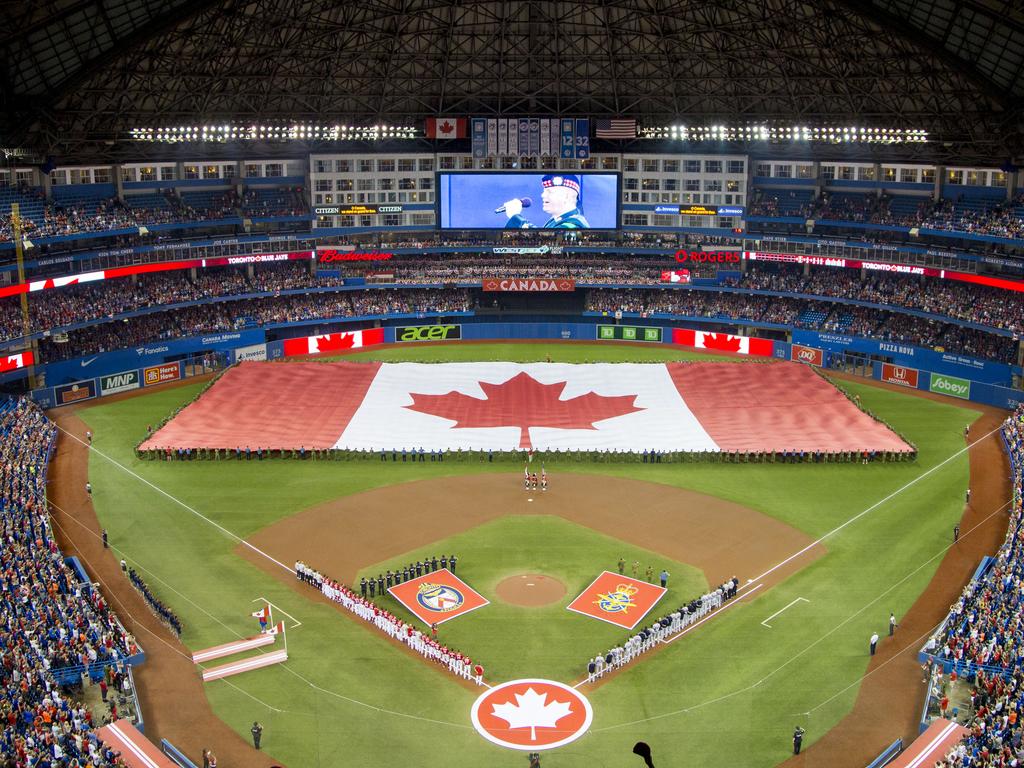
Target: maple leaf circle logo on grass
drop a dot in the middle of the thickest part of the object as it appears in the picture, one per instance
(531, 714)
(524, 402)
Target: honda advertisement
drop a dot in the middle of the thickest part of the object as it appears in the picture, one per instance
(900, 375)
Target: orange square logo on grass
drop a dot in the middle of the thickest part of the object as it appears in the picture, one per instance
(438, 596)
(617, 599)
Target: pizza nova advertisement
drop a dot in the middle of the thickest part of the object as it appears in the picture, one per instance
(408, 333)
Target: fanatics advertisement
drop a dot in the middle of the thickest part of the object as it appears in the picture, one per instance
(437, 597)
(516, 200)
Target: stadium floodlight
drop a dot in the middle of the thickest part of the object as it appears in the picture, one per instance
(785, 133)
(263, 131)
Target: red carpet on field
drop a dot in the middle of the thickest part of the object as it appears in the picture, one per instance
(719, 406)
(778, 407)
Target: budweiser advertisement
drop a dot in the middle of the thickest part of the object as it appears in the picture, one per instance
(16, 360)
(505, 406)
(897, 374)
(333, 342)
(675, 276)
(529, 284)
(723, 342)
(801, 354)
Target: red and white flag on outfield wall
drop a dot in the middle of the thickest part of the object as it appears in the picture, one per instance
(723, 342)
(446, 128)
(277, 629)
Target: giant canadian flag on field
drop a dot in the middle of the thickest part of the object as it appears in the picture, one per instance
(512, 406)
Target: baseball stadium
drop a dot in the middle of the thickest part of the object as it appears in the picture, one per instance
(469, 383)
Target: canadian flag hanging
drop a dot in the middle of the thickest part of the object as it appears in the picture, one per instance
(446, 128)
(277, 629)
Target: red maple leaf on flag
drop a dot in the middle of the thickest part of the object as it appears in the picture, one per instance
(445, 127)
(722, 341)
(524, 402)
(334, 342)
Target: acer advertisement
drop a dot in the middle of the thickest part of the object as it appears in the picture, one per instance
(333, 342)
(516, 200)
(16, 360)
(65, 394)
(531, 285)
(809, 355)
(158, 374)
(628, 333)
(897, 374)
(723, 342)
(428, 333)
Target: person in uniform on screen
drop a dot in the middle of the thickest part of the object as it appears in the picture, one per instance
(560, 199)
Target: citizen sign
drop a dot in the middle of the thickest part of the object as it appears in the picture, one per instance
(428, 333)
(561, 284)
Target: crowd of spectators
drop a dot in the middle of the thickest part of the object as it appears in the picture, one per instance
(978, 304)
(166, 615)
(982, 637)
(423, 642)
(962, 214)
(51, 621)
(108, 214)
(661, 630)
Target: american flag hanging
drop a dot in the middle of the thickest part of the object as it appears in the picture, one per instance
(616, 128)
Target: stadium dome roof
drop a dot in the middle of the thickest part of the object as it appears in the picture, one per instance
(78, 74)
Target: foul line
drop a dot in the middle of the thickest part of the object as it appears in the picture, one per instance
(277, 608)
(178, 501)
(873, 507)
(765, 622)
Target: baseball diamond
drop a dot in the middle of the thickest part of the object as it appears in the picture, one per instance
(555, 383)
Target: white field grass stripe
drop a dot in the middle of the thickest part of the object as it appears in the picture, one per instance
(134, 748)
(237, 667)
(384, 421)
(229, 649)
(926, 754)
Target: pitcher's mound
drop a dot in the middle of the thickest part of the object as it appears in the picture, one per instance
(530, 590)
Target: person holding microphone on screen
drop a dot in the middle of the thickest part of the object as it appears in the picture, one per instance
(560, 199)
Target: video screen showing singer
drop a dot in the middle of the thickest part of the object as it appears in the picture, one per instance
(561, 198)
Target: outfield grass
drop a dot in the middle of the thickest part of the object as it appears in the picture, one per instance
(732, 677)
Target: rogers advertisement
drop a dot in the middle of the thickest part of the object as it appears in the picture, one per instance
(897, 374)
(809, 355)
(723, 342)
(531, 284)
(16, 360)
(709, 257)
(158, 374)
